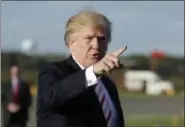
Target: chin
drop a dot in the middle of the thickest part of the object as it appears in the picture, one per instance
(95, 61)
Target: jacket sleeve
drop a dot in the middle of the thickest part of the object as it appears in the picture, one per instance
(26, 97)
(55, 89)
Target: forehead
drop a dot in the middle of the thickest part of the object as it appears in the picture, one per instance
(14, 68)
(91, 31)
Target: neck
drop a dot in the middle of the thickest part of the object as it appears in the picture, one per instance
(15, 77)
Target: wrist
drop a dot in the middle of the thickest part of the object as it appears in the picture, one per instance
(95, 72)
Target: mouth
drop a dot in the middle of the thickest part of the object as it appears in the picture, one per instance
(96, 56)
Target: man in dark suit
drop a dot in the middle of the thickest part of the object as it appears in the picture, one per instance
(16, 99)
(75, 92)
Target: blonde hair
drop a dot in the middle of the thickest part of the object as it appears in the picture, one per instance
(87, 18)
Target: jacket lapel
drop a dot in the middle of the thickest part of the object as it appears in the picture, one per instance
(73, 64)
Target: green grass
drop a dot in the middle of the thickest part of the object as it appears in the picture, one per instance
(178, 82)
(155, 121)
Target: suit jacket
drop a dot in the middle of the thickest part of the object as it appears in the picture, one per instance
(23, 99)
(64, 100)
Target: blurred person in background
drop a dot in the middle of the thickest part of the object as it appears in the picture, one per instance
(75, 92)
(16, 99)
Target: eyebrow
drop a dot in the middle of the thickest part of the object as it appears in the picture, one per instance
(101, 36)
(89, 35)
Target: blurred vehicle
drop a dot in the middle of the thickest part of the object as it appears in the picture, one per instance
(147, 81)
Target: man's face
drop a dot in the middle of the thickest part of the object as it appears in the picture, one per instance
(89, 45)
(14, 71)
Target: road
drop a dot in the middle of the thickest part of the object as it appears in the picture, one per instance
(153, 106)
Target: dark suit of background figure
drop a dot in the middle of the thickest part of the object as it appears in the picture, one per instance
(64, 101)
(22, 98)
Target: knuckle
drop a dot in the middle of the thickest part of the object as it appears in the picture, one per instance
(106, 68)
(112, 64)
(112, 67)
(104, 64)
(116, 60)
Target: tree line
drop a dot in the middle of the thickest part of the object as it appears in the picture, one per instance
(30, 64)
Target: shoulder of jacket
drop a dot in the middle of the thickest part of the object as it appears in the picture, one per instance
(53, 66)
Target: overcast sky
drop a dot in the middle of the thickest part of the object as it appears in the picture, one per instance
(142, 26)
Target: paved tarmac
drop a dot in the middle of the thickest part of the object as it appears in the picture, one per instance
(154, 106)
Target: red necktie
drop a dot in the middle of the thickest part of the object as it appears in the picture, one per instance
(15, 93)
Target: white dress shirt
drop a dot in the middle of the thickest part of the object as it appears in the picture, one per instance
(92, 80)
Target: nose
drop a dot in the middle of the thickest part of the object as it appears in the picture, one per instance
(95, 43)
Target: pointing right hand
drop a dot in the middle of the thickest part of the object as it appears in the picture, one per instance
(109, 62)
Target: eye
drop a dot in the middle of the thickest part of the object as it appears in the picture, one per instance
(89, 38)
(101, 38)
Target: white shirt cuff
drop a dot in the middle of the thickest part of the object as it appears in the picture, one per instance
(91, 77)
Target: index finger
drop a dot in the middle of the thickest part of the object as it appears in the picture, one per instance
(119, 51)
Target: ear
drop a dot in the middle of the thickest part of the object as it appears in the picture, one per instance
(71, 45)
(72, 42)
